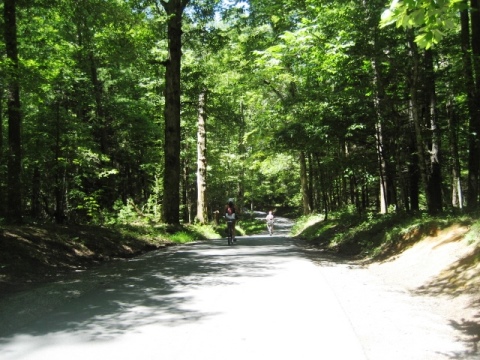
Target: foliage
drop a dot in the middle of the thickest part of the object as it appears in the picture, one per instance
(433, 18)
(307, 226)
(203, 232)
(286, 82)
(372, 235)
(473, 236)
(156, 234)
(249, 225)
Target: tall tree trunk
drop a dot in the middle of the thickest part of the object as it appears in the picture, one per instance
(379, 137)
(187, 190)
(59, 170)
(415, 105)
(457, 196)
(100, 121)
(382, 168)
(311, 186)
(241, 171)
(171, 179)
(202, 214)
(472, 80)
(434, 185)
(2, 156)
(413, 169)
(14, 162)
(36, 206)
(304, 183)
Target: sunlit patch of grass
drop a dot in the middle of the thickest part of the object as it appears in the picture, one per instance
(251, 226)
(473, 236)
(181, 237)
(307, 226)
(204, 231)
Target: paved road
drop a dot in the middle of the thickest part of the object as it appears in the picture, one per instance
(263, 298)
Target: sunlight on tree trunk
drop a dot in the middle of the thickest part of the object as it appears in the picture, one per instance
(202, 215)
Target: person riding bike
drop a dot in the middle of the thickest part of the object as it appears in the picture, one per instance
(230, 215)
(270, 220)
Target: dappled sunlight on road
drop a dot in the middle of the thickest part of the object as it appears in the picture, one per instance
(262, 298)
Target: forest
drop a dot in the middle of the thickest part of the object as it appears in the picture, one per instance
(164, 109)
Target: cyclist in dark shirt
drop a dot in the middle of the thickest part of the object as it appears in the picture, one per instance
(230, 215)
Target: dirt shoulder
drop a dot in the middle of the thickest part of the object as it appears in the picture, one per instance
(438, 264)
(32, 254)
(445, 267)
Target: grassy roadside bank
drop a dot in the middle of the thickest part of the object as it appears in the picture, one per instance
(36, 253)
(378, 236)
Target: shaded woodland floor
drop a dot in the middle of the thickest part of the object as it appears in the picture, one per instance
(32, 254)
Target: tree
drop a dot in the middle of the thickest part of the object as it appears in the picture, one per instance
(171, 179)
(202, 215)
(434, 19)
(14, 155)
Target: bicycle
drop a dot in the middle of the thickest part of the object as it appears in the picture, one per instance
(230, 232)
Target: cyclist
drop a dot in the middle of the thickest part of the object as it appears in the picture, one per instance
(270, 219)
(230, 215)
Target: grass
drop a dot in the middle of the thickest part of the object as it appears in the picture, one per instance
(375, 235)
(249, 225)
(32, 253)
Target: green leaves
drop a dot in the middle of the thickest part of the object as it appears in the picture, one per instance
(431, 18)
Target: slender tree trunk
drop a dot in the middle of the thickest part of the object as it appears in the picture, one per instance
(2, 156)
(187, 192)
(36, 206)
(379, 138)
(14, 162)
(434, 186)
(171, 180)
(457, 196)
(472, 80)
(59, 172)
(304, 184)
(413, 169)
(100, 121)
(202, 214)
(415, 111)
(311, 183)
(382, 167)
(241, 170)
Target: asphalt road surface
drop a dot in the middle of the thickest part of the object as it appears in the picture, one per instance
(262, 298)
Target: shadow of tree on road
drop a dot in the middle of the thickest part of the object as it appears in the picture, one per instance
(460, 278)
(157, 288)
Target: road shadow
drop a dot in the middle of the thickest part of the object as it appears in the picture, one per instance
(458, 279)
(156, 288)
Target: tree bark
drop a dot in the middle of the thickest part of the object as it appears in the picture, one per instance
(241, 170)
(59, 171)
(434, 185)
(14, 162)
(2, 155)
(202, 214)
(413, 170)
(415, 105)
(457, 196)
(472, 78)
(304, 184)
(379, 137)
(172, 176)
